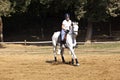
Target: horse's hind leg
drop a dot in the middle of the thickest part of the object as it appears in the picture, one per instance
(55, 56)
(62, 56)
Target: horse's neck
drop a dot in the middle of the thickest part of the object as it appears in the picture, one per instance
(70, 35)
(70, 31)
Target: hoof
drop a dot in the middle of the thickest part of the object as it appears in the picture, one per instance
(77, 64)
(63, 61)
(71, 63)
(55, 59)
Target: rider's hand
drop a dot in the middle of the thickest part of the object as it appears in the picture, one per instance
(67, 31)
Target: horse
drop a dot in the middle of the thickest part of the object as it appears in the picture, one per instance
(70, 43)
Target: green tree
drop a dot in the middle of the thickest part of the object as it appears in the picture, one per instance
(5, 10)
(96, 11)
(8, 7)
(5, 7)
(113, 8)
(19, 6)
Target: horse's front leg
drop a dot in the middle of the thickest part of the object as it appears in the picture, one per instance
(74, 57)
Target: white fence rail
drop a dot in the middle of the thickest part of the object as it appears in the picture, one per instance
(27, 42)
(50, 42)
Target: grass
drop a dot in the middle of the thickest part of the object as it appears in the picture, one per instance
(82, 49)
(113, 48)
(100, 46)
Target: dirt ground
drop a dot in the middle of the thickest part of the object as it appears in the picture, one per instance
(19, 62)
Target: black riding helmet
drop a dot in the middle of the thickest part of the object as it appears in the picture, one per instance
(67, 16)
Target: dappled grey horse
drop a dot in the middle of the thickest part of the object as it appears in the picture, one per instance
(70, 43)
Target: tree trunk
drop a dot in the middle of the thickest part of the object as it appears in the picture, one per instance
(89, 33)
(1, 29)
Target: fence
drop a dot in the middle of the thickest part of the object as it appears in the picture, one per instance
(35, 47)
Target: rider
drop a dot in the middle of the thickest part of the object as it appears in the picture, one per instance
(66, 25)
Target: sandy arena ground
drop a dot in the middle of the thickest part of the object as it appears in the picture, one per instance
(19, 62)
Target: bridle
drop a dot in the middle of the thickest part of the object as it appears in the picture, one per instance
(74, 23)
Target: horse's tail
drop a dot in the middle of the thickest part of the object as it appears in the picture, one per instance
(55, 38)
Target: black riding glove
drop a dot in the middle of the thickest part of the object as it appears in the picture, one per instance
(67, 31)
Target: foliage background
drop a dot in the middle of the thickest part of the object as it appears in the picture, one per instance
(35, 19)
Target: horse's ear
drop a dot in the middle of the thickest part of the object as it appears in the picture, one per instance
(72, 23)
(77, 23)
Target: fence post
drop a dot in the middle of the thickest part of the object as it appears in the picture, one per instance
(25, 43)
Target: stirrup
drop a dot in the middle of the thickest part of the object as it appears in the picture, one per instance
(63, 44)
(63, 41)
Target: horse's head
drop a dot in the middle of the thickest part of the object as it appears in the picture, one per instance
(75, 28)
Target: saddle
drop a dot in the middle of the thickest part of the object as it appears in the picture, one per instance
(62, 42)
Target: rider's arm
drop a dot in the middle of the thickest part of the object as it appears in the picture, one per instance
(63, 27)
